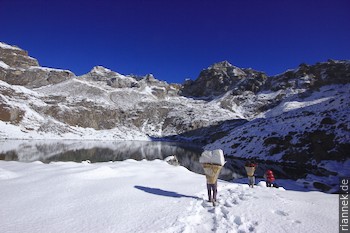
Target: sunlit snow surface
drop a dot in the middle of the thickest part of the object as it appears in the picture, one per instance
(149, 196)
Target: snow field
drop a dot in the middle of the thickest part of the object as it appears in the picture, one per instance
(242, 209)
(149, 196)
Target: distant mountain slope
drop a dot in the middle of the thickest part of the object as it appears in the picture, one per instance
(300, 116)
(101, 100)
(300, 129)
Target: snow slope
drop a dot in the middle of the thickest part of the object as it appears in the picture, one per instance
(286, 123)
(36, 125)
(45, 110)
(149, 196)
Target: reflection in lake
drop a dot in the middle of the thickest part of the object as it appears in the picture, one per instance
(98, 151)
(104, 151)
(95, 151)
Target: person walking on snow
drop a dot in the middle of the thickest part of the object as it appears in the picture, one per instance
(269, 178)
(212, 172)
(250, 169)
(212, 162)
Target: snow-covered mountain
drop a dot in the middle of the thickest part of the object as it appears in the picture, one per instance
(100, 104)
(300, 116)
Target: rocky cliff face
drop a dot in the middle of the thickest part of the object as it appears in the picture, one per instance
(16, 57)
(17, 68)
(300, 116)
(312, 77)
(115, 80)
(222, 77)
(111, 78)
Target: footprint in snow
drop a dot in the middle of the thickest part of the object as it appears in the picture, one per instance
(238, 220)
(243, 197)
(229, 204)
(245, 226)
(281, 213)
(285, 214)
(206, 203)
(225, 212)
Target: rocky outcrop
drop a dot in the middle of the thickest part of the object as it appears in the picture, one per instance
(17, 68)
(149, 83)
(312, 77)
(84, 114)
(16, 57)
(113, 79)
(35, 76)
(10, 114)
(222, 77)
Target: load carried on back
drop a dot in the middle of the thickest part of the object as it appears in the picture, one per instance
(213, 157)
(212, 162)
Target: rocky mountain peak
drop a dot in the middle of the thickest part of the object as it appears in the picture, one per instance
(150, 77)
(150, 80)
(111, 78)
(15, 57)
(220, 65)
(11, 47)
(220, 78)
(226, 67)
(18, 68)
(100, 70)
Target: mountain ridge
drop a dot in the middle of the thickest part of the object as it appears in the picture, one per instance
(299, 116)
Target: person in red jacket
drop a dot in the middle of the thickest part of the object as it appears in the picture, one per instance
(269, 178)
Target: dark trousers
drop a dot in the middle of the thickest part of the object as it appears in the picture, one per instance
(268, 184)
(214, 188)
(251, 180)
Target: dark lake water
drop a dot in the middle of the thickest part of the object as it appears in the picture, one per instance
(103, 151)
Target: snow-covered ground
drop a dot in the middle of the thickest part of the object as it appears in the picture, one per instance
(294, 116)
(149, 196)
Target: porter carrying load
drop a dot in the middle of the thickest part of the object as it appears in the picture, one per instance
(212, 162)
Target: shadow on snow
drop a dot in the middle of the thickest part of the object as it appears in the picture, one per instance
(161, 192)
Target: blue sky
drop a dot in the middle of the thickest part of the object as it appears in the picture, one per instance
(175, 40)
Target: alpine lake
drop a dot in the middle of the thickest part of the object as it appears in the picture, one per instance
(188, 154)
